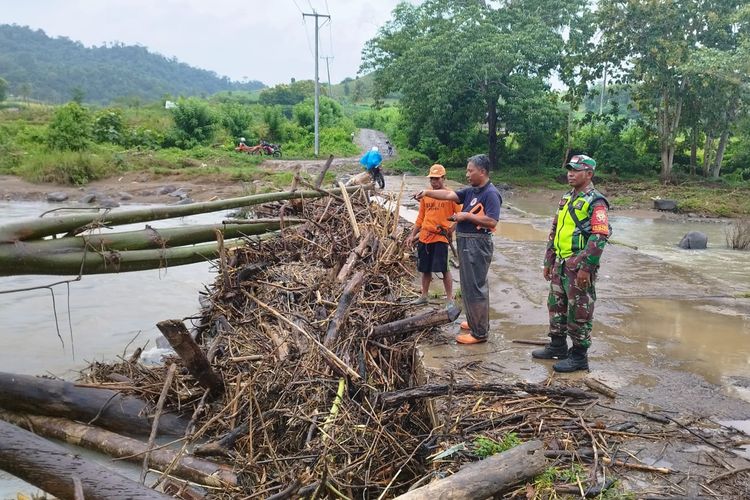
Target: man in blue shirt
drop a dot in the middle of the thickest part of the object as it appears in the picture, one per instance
(476, 223)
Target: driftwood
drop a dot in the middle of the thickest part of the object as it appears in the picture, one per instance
(322, 175)
(345, 302)
(223, 446)
(103, 407)
(600, 387)
(488, 477)
(53, 468)
(396, 398)
(357, 253)
(122, 447)
(190, 353)
(425, 320)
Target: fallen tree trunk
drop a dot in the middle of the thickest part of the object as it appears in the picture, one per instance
(117, 446)
(103, 407)
(425, 320)
(195, 361)
(53, 468)
(395, 398)
(488, 477)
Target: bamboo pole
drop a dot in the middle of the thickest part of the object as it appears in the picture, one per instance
(31, 229)
(149, 238)
(90, 262)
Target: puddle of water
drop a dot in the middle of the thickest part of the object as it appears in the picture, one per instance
(519, 231)
(707, 342)
(660, 237)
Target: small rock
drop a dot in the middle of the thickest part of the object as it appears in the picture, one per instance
(694, 240)
(124, 196)
(146, 193)
(88, 198)
(184, 201)
(166, 189)
(57, 196)
(181, 193)
(108, 203)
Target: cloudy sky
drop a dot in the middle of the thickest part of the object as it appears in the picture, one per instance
(264, 40)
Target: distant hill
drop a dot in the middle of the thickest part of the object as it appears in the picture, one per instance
(49, 69)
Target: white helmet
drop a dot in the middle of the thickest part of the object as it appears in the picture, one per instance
(374, 148)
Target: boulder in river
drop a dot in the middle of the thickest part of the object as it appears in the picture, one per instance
(694, 240)
(57, 196)
(666, 205)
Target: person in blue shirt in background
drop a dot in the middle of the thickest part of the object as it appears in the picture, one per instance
(371, 161)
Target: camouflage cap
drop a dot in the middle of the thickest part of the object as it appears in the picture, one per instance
(581, 162)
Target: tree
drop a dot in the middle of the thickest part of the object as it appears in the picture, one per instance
(455, 63)
(3, 89)
(70, 128)
(25, 91)
(194, 123)
(236, 118)
(648, 43)
(290, 94)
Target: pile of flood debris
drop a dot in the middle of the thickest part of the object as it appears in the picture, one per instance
(300, 377)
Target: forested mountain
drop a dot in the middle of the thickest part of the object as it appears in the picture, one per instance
(49, 69)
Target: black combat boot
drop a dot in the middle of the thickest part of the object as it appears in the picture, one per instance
(577, 360)
(556, 349)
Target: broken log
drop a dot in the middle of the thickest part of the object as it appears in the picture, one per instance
(102, 407)
(345, 302)
(425, 320)
(357, 253)
(195, 361)
(396, 398)
(600, 387)
(322, 174)
(122, 447)
(488, 477)
(52, 468)
(223, 446)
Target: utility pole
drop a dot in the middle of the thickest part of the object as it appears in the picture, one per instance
(604, 89)
(317, 86)
(328, 70)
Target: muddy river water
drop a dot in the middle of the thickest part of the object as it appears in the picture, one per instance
(670, 329)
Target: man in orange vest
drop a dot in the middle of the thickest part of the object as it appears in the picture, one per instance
(434, 228)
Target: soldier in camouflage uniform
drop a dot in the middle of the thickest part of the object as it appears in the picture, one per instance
(580, 230)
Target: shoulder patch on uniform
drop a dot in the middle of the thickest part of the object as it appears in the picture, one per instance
(599, 221)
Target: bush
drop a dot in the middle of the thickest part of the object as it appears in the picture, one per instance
(70, 128)
(109, 127)
(194, 124)
(237, 119)
(70, 168)
(738, 235)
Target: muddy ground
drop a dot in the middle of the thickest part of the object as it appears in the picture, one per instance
(667, 338)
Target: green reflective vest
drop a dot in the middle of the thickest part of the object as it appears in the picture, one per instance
(569, 237)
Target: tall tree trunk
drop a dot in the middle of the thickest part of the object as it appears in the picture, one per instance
(720, 154)
(668, 122)
(693, 149)
(492, 132)
(707, 153)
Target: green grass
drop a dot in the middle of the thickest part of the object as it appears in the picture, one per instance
(485, 447)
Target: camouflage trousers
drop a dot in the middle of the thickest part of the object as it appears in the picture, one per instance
(571, 309)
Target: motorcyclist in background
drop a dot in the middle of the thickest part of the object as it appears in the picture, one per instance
(371, 161)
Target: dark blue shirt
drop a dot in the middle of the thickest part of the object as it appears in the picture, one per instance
(479, 200)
